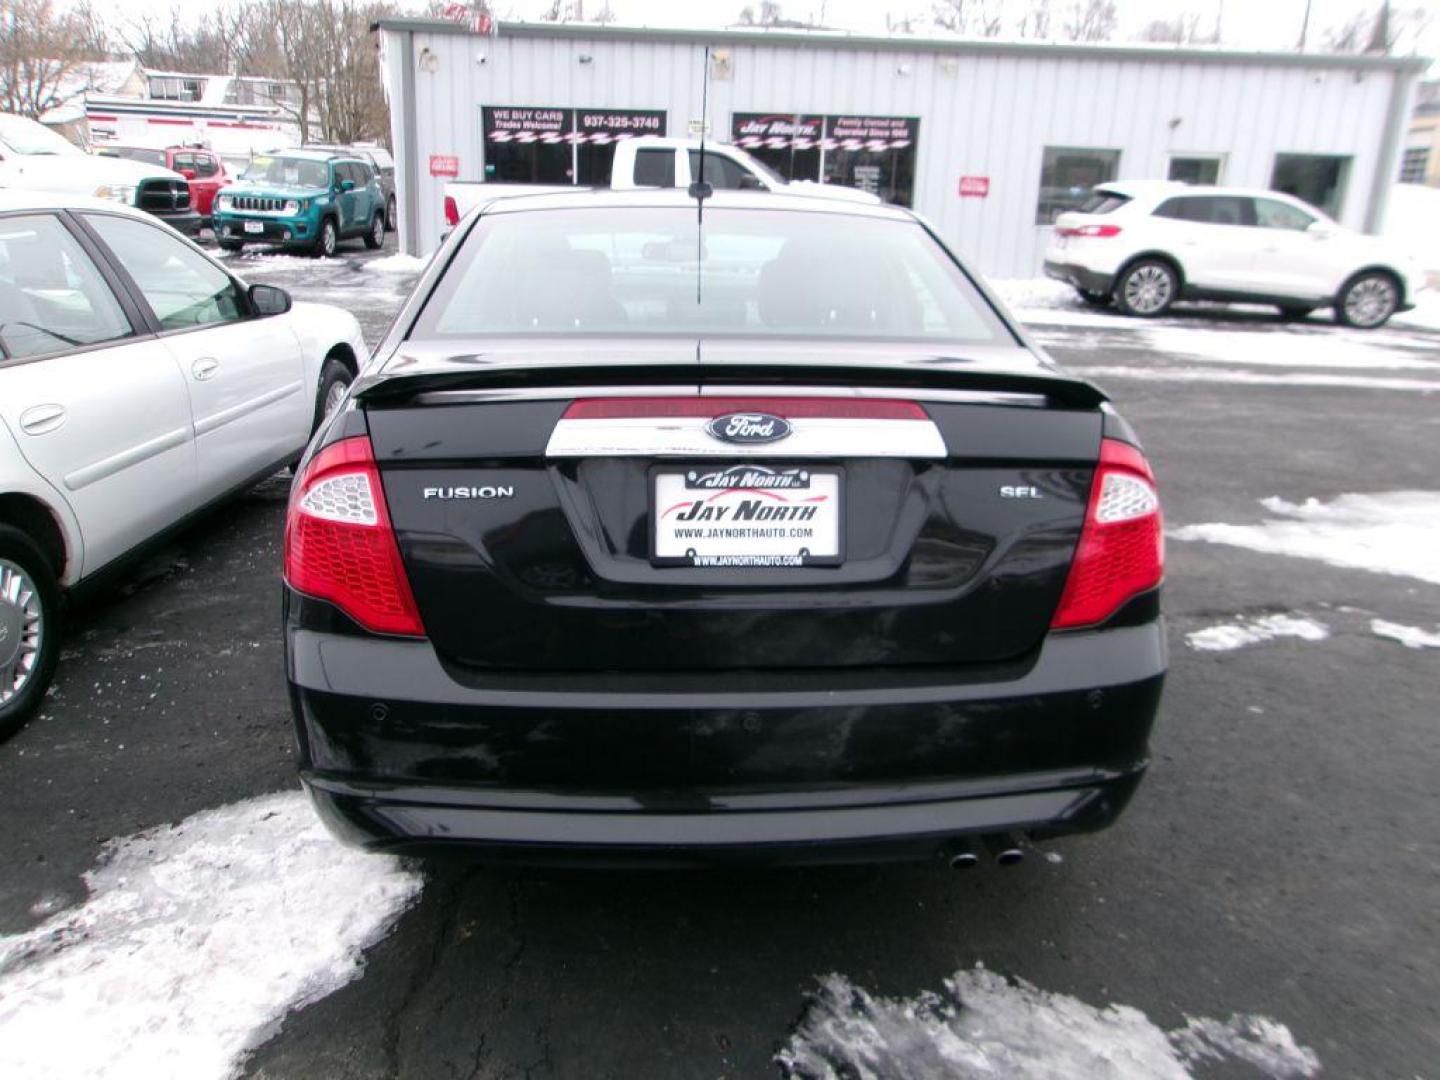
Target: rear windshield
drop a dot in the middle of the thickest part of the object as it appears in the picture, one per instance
(135, 153)
(761, 273)
(1100, 201)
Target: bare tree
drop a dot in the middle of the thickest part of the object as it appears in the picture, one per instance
(326, 50)
(1381, 30)
(1035, 22)
(39, 49)
(974, 18)
(1091, 20)
(1181, 30)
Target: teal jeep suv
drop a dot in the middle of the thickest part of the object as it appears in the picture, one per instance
(305, 199)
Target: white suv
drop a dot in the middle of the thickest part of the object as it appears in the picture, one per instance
(1146, 245)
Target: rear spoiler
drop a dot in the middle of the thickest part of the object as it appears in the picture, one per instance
(1060, 389)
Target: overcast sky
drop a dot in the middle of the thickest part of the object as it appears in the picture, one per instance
(1255, 24)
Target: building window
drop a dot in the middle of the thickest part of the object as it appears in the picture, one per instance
(560, 146)
(1414, 165)
(1318, 179)
(175, 88)
(598, 130)
(1196, 168)
(790, 145)
(872, 153)
(1066, 176)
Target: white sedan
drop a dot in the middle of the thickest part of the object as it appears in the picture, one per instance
(140, 383)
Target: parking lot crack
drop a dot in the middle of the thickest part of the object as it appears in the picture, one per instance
(450, 891)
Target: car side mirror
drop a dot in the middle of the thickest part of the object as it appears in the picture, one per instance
(267, 300)
(751, 183)
(188, 174)
(347, 185)
(1320, 230)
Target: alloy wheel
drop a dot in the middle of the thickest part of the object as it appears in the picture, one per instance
(333, 397)
(22, 629)
(1148, 289)
(1370, 301)
(327, 239)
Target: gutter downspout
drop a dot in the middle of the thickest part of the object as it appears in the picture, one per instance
(1387, 165)
(410, 216)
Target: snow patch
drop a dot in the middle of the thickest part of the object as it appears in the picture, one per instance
(1224, 637)
(1328, 347)
(1412, 637)
(195, 941)
(1253, 378)
(982, 1025)
(397, 264)
(1386, 533)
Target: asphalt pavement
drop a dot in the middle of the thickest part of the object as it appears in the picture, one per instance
(1282, 857)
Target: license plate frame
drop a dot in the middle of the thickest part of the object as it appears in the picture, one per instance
(706, 480)
(254, 227)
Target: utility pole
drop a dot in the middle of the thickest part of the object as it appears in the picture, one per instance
(1305, 26)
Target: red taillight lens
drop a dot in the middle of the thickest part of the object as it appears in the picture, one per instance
(1096, 231)
(452, 212)
(339, 545)
(1122, 546)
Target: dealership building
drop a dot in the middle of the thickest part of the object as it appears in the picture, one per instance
(989, 140)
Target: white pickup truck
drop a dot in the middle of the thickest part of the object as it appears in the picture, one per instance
(654, 161)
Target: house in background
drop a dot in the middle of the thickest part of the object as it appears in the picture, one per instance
(234, 115)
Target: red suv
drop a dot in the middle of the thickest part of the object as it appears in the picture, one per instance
(202, 168)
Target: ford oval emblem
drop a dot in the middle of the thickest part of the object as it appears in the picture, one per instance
(748, 427)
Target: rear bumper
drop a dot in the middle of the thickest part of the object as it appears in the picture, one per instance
(187, 222)
(398, 753)
(1081, 277)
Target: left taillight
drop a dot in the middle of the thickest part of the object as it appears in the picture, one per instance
(339, 543)
(1121, 552)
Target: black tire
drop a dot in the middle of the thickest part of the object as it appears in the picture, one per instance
(375, 235)
(392, 214)
(1294, 313)
(332, 376)
(328, 239)
(30, 624)
(1368, 300)
(1094, 299)
(231, 245)
(1146, 288)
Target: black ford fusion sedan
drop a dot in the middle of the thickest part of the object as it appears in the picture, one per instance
(651, 535)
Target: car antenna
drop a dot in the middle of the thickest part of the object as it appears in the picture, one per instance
(700, 189)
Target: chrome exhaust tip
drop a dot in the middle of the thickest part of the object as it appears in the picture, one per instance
(1006, 849)
(963, 856)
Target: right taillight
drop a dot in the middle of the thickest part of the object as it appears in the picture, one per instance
(1122, 546)
(339, 545)
(452, 211)
(1099, 232)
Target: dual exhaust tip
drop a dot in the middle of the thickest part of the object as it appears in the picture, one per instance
(1006, 849)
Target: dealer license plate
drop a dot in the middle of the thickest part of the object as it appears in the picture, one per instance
(254, 226)
(746, 516)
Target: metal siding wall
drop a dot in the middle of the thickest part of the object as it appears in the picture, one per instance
(980, 114)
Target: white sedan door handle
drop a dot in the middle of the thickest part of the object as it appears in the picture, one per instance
(39, 419)
(204, 368)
